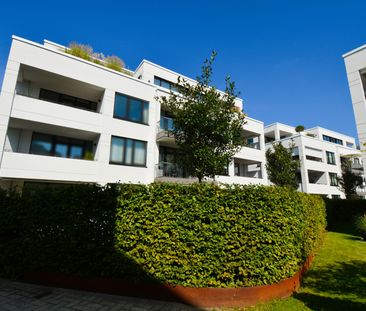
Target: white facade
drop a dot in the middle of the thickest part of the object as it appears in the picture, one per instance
(355, 62)
(46, 137)
(319, 151)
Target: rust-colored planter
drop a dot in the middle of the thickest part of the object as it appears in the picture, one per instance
(197, 297)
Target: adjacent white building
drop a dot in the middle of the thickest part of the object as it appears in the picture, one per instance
(355, 62)
(66, 119)
(320, 152)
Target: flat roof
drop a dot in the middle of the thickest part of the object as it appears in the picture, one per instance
(354, 51)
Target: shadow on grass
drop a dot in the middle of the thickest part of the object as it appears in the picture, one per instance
(316, 302)
(345, 279)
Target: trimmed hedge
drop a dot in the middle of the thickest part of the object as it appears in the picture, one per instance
(200, 235)
(342, 213)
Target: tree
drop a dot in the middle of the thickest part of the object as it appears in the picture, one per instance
(207, 124)
(299, 128)
(349, 181)
(281, 167)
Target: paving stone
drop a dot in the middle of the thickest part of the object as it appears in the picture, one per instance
(20, 296)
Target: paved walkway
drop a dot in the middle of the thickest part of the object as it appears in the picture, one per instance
(23, 296)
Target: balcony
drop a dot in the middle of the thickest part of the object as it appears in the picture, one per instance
(171, 172)
(246, 168)
(32, 109)
(37, 167)
(164, 134)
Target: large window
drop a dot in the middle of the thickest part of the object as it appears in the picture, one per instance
(126, 151)
(330, 158)
(165, 84)
(332, 140)
(67, 100)
(333, 179)
(131, 109)
(63, 147)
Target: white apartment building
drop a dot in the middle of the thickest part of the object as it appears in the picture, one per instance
(355, 62)
(66, 119)
(320, 152)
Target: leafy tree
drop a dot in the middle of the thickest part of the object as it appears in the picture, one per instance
(349, 180)
(299, 128)
(281, 167)
(207, 124)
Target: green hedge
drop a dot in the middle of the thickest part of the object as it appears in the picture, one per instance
(342, 213)
(200, 235)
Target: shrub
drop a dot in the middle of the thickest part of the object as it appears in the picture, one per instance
(361, 225)
(80, 50)
(200, 235)
(203, 235)
(341, 214)
(299, 128)
(115, 63)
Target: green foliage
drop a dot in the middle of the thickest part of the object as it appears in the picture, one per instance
(281, 168)
(115, 63)
(207, 124)
(200, 235)
(349, 181)
(89, 156)
(299, 128)
(341, 214)
(361, 225)
(86, 52)
(80, 50)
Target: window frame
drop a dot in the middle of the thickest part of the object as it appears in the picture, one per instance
(333, 180)
(74, 102)
(333, 162)
(128, 109)
(172, 85)
(69, 141)
(123, 162)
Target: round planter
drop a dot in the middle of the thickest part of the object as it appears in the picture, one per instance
(197, 297)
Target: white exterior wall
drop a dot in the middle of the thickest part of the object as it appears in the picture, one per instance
(355, 62)
(316, 147)
(21, 115)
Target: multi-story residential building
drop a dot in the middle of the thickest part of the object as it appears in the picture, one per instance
(66, 119)
(320, 152)
(355, 62)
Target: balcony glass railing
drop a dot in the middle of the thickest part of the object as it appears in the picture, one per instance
(166, 124)
(168, 169)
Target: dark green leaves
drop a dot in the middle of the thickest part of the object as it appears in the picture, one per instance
(207, 124)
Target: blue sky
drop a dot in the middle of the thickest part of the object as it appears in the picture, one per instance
(285, 56)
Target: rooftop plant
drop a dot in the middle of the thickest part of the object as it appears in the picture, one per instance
(86, 52)
(114, 62)
(83, 51)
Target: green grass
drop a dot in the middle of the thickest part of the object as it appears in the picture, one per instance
(336, 280)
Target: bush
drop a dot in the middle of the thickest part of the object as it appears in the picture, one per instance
(341, 214)
(361, 225)
(80, 50)
(115, 63)
(200, 235)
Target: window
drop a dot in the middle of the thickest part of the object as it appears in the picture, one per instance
(332, 140)
(57, 146)
(350, 145)
(333, 179)
(165, 84)
(126, 151)
(330, 158)
(236, 169)
(67, 100)
(131, 109)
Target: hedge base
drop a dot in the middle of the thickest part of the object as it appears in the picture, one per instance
(197, 297)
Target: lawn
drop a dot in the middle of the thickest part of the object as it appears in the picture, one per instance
(336, 280)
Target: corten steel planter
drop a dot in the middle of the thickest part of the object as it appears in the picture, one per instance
(197, 297)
